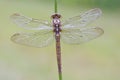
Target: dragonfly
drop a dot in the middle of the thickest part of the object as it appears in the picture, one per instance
(74, 30)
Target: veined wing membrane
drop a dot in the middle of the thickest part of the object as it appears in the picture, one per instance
(36, 39)
(82, 20)
(30, 23)
(78, 36)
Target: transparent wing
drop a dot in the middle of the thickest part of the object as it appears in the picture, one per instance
(36, 39)
(29, 23)
(82, 20)
(78, 36)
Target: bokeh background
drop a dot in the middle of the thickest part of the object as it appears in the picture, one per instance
(98, 59)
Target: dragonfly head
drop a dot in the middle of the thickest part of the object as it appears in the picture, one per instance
(56, 16)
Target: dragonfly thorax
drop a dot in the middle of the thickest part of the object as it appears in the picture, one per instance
(56, 20)
(56, 23)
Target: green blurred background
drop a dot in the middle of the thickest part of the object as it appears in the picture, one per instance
(98, 59)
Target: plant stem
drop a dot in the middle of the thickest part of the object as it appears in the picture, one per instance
(55, 6)
(60, 76)
(58, 49)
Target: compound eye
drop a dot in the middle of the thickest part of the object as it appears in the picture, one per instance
(53, 16)
(59, 16)
(56, 16)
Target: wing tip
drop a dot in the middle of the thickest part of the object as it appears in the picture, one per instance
(14, 36)
(100, 30)
(97, 10)
(14, 15)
